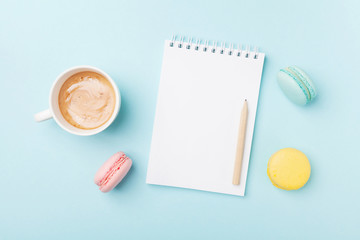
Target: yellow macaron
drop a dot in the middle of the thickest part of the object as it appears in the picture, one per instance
(288, 169)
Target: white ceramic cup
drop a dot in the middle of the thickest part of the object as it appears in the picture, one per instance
(54, 111)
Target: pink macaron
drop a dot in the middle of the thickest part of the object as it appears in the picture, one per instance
(112, 171)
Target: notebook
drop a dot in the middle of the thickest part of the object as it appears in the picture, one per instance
(201, 93)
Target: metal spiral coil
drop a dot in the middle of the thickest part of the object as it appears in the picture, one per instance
(237, 51)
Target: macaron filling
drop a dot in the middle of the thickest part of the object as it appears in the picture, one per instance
(112, 170)
(298, 80)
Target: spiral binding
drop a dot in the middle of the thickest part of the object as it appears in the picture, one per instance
(230, 50)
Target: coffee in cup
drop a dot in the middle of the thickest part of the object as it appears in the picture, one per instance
(87, 100)
(83, 100)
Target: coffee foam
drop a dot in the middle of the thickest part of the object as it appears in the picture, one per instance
(87, 100)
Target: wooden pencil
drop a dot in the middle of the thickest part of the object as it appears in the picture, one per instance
(240, 144)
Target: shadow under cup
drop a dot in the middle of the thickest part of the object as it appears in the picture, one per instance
(54, 104)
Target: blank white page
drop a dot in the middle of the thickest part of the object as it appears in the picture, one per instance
(201, 95)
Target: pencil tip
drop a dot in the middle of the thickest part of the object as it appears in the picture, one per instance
(245, 100)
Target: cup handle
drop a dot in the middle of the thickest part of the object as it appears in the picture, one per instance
(42, 116)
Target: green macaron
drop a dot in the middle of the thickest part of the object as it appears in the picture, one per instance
(296, 85)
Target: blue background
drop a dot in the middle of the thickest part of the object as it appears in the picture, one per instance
(46, 179)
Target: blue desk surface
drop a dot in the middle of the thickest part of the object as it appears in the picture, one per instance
(46, 180)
